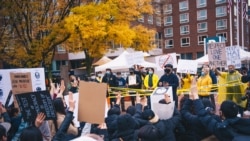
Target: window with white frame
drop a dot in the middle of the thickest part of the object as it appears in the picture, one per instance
(168, 20)
(202, 14)
(223, 35)
(150, 19)
(169, 43)
(157, 9)
(185, 42)
(158, 21)
(168, 32)
(141, 19)
(184, 29)
(183, 5)
(201, 39)
(201, 3)
(167, 8)
(220, 1)
(221, 24)
(184, 17)
(60, 49)
(202, 27)
(221, 11)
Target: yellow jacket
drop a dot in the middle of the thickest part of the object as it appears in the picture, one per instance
(204, 84)
(155, 80)
(186, 82)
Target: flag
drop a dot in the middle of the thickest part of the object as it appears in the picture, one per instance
(229, 5)
(238, 6)
(244, 9)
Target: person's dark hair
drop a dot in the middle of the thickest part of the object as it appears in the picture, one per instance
(31, 134)
(131, 110)
(2, 132)
(59, 108)
(229, 109)
(168, 65)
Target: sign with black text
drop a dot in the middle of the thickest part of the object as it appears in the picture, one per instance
(33, 103)
(217, 55)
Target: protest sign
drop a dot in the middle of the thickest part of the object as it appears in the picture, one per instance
(33, 103)
(216, 54)
(36, 76)
(21, 82)
(187, 66)
(233, 56)
(159, 93)
(92, 97)
(164, 111)
(162, 60)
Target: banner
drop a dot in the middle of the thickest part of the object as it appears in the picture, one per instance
(92, 97)
(191, 68)
(162, 60)
(158, 94)
(33, 103)
(217, 54)
(233, 56)
(36, 75)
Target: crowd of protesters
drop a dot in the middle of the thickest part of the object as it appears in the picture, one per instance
(194, 118)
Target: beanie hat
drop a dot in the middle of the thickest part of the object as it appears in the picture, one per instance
(149, 115)
(114, 111)
(229, 109)
(131, 110)
(149, 133)
(125, 122)
(168, 65)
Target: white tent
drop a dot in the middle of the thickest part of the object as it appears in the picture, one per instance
(203, 59)
(102, 61)
(124, 61)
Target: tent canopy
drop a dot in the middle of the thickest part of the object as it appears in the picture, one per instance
(125, 61)
(102, 61)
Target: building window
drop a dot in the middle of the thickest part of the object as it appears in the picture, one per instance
(201, 3)
(169, 43)
(202, 14)
(185, 42)
(199, 54)
(221, 11)
(168, 32)
(202, 27)
(167, 8)
(141, 19)
(150, 19)
(188, 56)
(168, 20)
(158, 10)
(223, 36)
(201, 39)
(158, 21)
(183, 6)
(184, 29)
(220, 1)
(221, 24)
(61, 49)
(184, 18)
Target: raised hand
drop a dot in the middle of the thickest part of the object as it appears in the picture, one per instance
(39, 119)
(71, 102)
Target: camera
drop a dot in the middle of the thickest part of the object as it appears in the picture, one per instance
(246, 96)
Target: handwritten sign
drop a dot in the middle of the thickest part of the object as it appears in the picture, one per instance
(216, 54)
(21, 82)
(164, 111)
(131, 79)
(191, 68)
(162, 60)
(233, 56)
(33, 103)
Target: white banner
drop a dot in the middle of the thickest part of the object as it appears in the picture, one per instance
(187, 66)
(233, 56)
(37, 79)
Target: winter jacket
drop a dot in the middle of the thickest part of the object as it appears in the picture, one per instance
(155, 80)
(222, 129)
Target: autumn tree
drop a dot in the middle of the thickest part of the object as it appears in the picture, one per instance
(32, 29)
(94, 27)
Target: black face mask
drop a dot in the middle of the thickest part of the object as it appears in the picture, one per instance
(167, 70)
(131, 72)
(231, 71)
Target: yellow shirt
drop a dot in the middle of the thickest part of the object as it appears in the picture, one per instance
(204, 84)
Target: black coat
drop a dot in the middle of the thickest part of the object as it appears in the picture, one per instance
(222, 129)
(110, 80)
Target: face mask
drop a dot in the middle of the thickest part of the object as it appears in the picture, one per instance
(202, 73)
(92, 77)
(150, 72)
(131, 72)
(108, 72)
(167, 70)
(231, 71)
(100, 75)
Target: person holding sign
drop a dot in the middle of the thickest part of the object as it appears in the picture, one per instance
(234, 89)
(170, 79)
(133, 81)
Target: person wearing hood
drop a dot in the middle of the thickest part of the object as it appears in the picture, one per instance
(230, 127)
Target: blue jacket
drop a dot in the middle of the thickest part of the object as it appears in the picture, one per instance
(222, 129)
